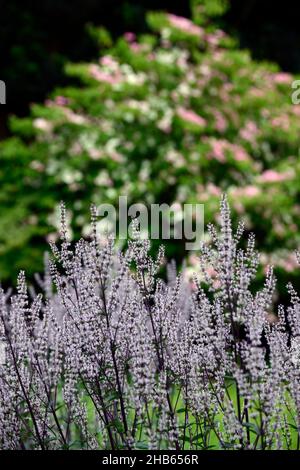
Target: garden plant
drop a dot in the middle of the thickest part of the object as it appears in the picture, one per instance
(108, 354)
(180, 114)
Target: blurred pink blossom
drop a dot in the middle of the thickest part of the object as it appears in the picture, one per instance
(108, 61)
(272, 176)
(213, 190)
(61, 100)
(190, 116)
(256, 92)
(249, 132)
(43, 124)
(220, 121)
(219, 148)
(282, 77)
(251, 191)
(185, 25)
(281, 121)
(240, 154)
(212, 40)
(58, 101)
(106, 77)
(129, 36)
(296, 110)
(136, 47)
(75, 118)
(246, 191)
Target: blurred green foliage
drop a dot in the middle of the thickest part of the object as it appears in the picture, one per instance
(178, 115)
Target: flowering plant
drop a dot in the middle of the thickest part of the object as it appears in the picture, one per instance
(179, 115)
(112, 356)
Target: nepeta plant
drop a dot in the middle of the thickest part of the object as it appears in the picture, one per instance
(111, 356)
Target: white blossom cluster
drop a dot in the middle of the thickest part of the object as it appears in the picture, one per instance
(112, 354)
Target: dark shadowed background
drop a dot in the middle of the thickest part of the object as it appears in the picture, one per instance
(38, 37)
